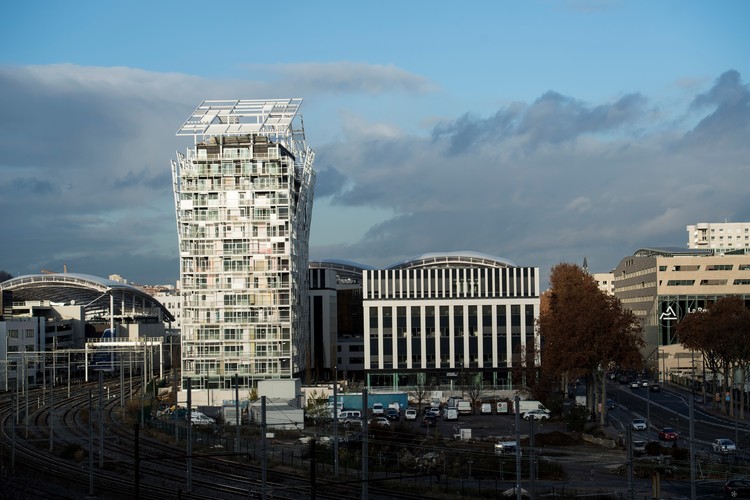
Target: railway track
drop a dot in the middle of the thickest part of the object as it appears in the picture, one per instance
(84, 443)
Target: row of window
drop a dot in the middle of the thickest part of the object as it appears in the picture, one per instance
(709, 267)
(27, 333)
(738, 281)
(449, 283)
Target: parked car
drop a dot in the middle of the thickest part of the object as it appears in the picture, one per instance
(380, 422)
(352, 422)
(536, 415)
(486, 408)
(668, 434)
(392, 414)
(639, 447)
(611, 404)
(638, 424)
(655, 387)
(644, 383)
(635, 384)
(377, 409)
(429, 421)
(410, 414)
(723, 446)
(737, 488)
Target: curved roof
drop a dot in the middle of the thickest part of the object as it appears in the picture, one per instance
(92, 292)
(670, 251)
(346, 269)
(453, 259)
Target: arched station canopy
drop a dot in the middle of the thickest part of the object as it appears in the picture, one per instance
(95, 294)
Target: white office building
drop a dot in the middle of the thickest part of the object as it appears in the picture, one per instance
(243, 197)
(724, 237)
(447, 314)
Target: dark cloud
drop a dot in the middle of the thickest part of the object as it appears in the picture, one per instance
(551, 119)
(329, 181)
(728, 124)
(552, 181)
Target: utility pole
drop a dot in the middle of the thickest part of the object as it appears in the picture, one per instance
(263, 446)
(517, 403)
(365, 493)
(101, 419)
(335, 423)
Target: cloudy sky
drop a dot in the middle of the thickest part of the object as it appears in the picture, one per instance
(538, 131)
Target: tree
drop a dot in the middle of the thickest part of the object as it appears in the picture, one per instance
(317, 407)
(475, 390)
(5, 276)
(421, 392)
(721, 333)
(585, 331)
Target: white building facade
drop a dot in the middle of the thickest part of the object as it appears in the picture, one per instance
(448, 313)
(723, 237)
(243, 198)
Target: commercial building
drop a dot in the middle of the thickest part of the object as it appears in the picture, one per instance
(70, 324)
(336, 324)
(449, 315)
(243, 198)
(662, 285)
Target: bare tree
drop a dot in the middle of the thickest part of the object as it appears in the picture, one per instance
(422, 392)
(475, 390)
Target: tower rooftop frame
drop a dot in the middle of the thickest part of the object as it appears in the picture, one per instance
(238, 117)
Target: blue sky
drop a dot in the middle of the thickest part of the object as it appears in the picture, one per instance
(537, 131)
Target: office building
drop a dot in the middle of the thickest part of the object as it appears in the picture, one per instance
(448, 315)
(243, 198)
(724, 237)
(662, 285)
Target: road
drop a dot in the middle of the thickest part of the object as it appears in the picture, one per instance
(670, 408)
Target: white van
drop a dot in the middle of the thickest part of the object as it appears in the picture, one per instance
(198, 418)
(450, 414)
(349, 415)
(377, 409)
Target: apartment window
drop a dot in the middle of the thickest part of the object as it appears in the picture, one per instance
(29, 334)
(13, 334)
(742, 281)
(713, 282)
(680, 282)
(719, 267)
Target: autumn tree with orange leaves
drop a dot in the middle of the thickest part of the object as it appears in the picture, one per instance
(585, 332)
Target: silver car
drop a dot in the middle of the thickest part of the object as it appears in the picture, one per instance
(638, 424)
(723, 446)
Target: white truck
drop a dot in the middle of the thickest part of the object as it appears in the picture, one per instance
(524, 406)
(450, 413)
(464, 407)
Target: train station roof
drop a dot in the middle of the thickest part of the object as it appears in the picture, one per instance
(92, 292)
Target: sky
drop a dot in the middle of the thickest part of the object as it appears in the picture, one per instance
(536, 131)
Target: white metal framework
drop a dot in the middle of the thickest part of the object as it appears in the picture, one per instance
(243, 200)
